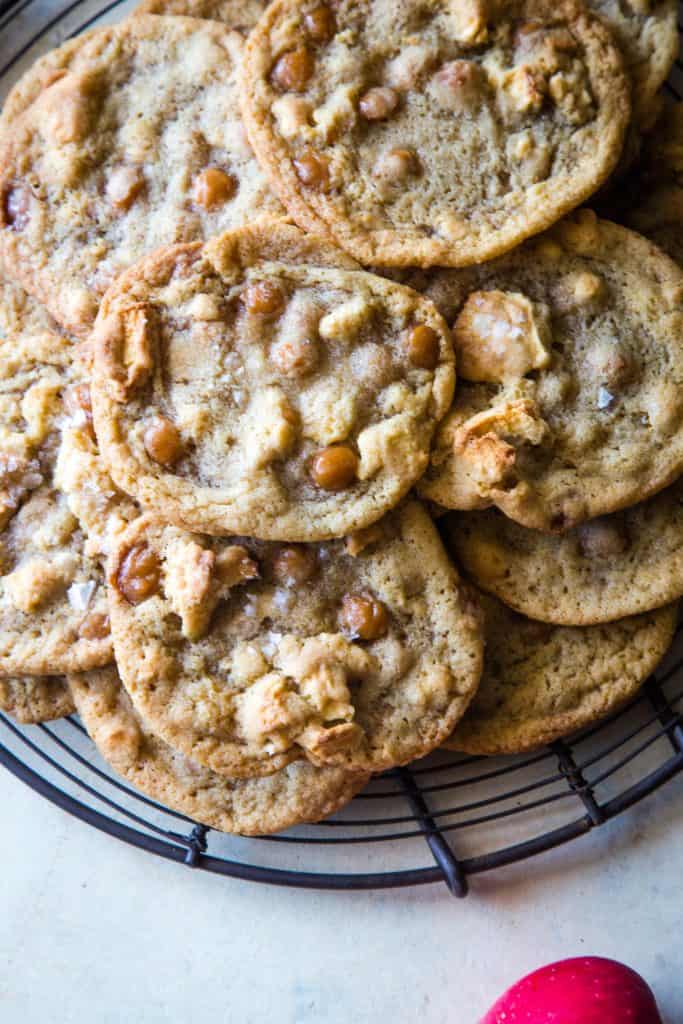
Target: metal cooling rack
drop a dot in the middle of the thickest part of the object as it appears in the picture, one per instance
(443, 819)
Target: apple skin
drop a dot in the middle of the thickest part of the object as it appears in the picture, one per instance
(584, 990)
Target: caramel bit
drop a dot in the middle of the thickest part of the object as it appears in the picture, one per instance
(422, 343)
(234, 565)
(378, 104)
(500, 336)
(163, 442)
(213, 187)
(581, 290)
(395, 165)
(124, 185)
(610, 364)
(293, 70)
(334, 468)
(457, 85)
(524, 89)
(294, 564)
(319, 24)
(313, 170)
(264, 299)
(295, 357)
(138, 576)
(362, 617)
(469, 21)
(603, 538)
(94, 627)
(16, 205)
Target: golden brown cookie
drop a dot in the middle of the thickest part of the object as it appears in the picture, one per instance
(298, 793)
(541, 682)
(606, 569)
(360, 654)
(134, 140)
(33, 699)
(442, 132)
(569, 354)
(241, 15)
(260, 384)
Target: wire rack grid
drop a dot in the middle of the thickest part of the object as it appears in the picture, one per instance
(444, 819)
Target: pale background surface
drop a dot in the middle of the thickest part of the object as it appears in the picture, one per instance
(93, 930)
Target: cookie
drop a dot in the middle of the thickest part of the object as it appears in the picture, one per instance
(542, 682)
(433, 133)
(241, 15)
(656, 194)
(569, 353)
(259, 384)
(605, 569)
(298, 793)
(137, 142)
(360, 654)
(647, 35)
(33, 699)
(53, 612)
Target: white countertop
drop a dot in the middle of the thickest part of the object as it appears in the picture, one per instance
(93, 930)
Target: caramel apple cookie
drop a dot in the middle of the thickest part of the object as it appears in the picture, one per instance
(241, 15)
(136, 142)
(53, 612)
(605, 569)
(438, 132)
(361, 653)
(656, 193)
(33, 699)
(541, 682)
(259, 384)
(298, 793)
(570, 361)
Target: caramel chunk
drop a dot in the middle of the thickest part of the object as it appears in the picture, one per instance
(362, 617)
(457, 86)
(422, 343)
(95, 627)
(234, 565)
(213, 187)
(124, 185)
(293, 70)
(138, 576)
(319, 24)
(264, 299)
(295, 357)
(395, 165)
(294, 564)
(313, 170)
(163, 442)
(334, 468)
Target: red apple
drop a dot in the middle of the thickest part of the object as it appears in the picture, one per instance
(585, 990)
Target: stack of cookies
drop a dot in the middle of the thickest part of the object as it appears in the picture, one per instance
(329, 435)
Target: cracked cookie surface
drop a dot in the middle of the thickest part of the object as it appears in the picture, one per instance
(134, 140)
(361, 653)
(433, 133)
(542, 682)
(259, 384)
(298, 793)
(570, 363)
(606, 569)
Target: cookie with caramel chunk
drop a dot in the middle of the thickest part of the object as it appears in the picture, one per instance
(249, 655)
(569, 352)
(605, 569)
(133, 139)
(541, 682)
(433, 133)
(298, 793)
(261, 384)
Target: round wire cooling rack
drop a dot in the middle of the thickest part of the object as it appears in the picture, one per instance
(442, 819)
